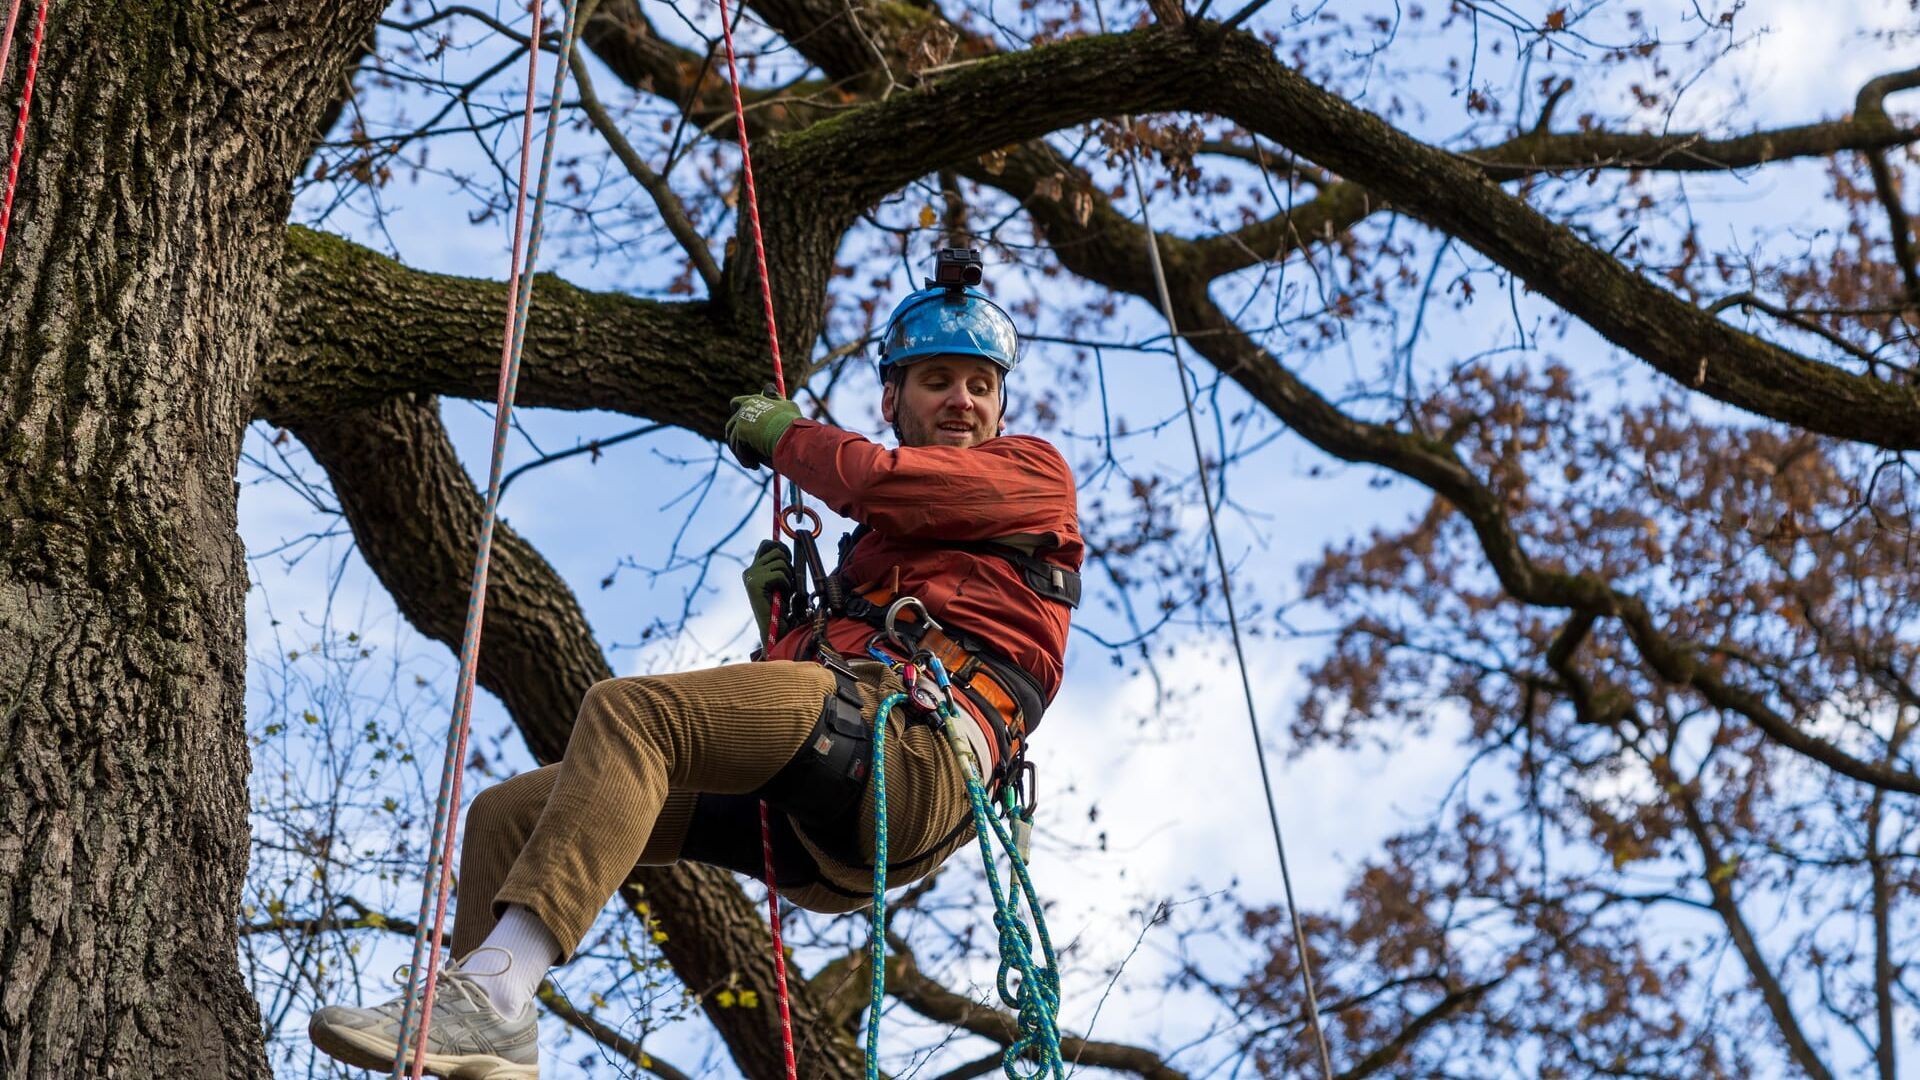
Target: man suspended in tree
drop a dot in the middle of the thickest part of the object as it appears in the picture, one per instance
(980, 527)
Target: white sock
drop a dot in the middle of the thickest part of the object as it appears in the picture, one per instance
(511, 962)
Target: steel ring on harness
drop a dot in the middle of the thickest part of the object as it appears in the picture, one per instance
(813, 519)
(927, 621)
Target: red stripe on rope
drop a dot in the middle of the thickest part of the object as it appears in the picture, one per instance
(6, 37)
(464, 702)
(26, 104)
(780, 387)
(779, 947)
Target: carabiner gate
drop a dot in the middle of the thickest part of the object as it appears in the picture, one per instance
(927, 621)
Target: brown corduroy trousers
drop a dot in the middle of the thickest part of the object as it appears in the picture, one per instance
(561, 840)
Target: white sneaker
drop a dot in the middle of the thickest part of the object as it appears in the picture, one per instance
(468, 1038)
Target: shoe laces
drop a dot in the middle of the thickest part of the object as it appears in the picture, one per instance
(450, 977)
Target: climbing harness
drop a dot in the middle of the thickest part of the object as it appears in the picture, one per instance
(439, 878)
(1006, 694)
(26, 105)
(1226, 593)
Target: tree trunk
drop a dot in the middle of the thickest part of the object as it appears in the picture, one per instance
(137, 286)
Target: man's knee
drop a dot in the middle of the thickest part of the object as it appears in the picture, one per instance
(626, 702)
(602, 699)
(509, 807)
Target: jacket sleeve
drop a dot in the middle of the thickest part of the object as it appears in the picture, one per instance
(1006, 486)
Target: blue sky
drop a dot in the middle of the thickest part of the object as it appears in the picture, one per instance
(1178, 795)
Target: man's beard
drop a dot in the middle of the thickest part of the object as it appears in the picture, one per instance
(913, 431)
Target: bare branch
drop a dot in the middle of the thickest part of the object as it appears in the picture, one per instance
(605, 1035)
(673, 213)
(1719, 876)
(1870, 108)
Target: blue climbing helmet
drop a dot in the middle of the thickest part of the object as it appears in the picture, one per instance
(949, 318)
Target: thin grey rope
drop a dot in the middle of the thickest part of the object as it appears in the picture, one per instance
(1226, 593)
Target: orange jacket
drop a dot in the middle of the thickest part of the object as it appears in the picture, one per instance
(914, 498)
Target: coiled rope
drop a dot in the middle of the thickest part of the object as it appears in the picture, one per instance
(439, 879)
(1035, 999)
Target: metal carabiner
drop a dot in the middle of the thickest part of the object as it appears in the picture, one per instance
(927, 621)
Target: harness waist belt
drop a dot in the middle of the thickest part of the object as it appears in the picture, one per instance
(1008, 697)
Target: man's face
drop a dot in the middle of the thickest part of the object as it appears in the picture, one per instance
(944, 401)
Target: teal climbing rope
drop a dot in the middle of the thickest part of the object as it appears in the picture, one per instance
(877, 932)
(1035, 998)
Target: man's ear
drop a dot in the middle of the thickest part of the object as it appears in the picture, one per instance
(889, 401)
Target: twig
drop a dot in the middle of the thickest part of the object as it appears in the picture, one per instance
(672, 212)
(604, 1035)
(1792, 318)
(593, 447)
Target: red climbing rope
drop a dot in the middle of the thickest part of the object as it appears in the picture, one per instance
(780, 387)
(26, 105)
(6, 37)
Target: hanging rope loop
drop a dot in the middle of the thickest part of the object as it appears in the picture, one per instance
(1031, 988)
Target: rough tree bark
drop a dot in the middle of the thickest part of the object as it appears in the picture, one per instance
(138, 285)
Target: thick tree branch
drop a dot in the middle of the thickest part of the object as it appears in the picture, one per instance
(1676, 338)
(819, 179)
(1341, 204)
(357, 328)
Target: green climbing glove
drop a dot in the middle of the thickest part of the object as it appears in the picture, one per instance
(770, 574)
(756, 426)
